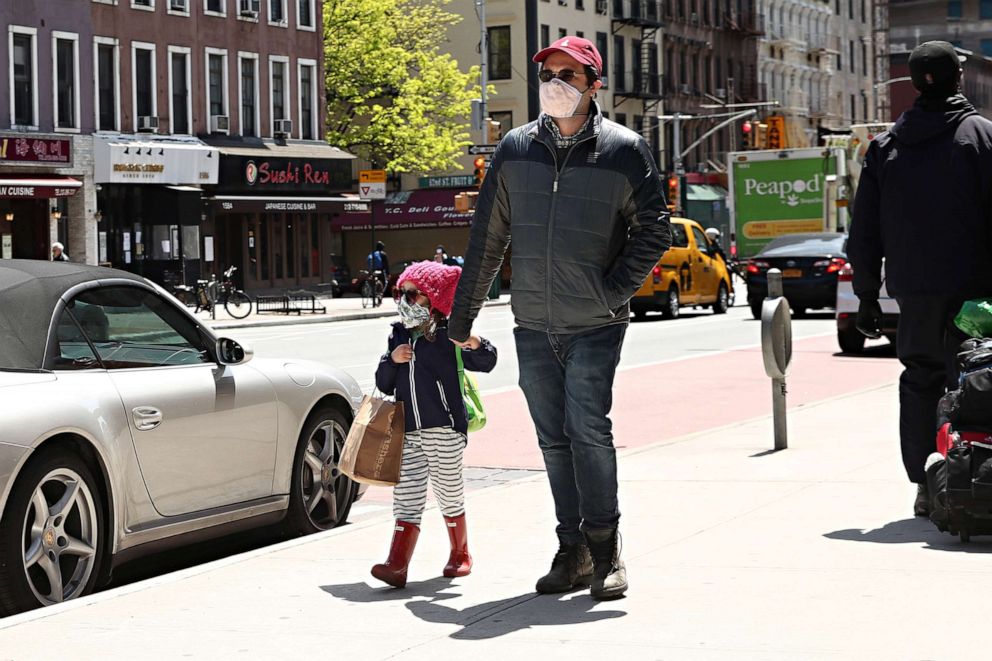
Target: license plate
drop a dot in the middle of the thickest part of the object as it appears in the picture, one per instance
(792, 273)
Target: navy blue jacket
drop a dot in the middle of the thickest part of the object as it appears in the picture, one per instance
(428, 384)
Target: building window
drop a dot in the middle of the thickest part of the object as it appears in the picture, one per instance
(954, 9)
(277, 11)
(215, 6)
(562, 32)
(580, 5)
(304, 16)
(66, 54)
(178, 7)
(107, 84)
(24, 93)
(216, 86)
(278, 90)
(622, 118)
(499, 53)
(864, 58)
(308, 95)
(635, 64)
(619, 66)
(986, 45)
(580, 34)
(179, 90)
(545, 36)
(851, 56)
(143, 4)
(653, 76)
(249, 95)
(985, 9)
(602, 43)
(143, 62)
(505, 120)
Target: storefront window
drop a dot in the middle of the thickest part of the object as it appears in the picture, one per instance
(261, 242)
(191, 242)
(291, 252)
(162, 241)
(314, 246)
(278, 249)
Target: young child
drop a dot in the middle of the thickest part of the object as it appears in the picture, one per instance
(420, 368)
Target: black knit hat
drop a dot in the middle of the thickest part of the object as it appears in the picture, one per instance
(935, 68)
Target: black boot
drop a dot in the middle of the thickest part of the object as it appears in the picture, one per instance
(571, 568)
(609, 578)
(921, 507)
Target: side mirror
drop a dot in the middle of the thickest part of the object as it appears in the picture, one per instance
(230, 352)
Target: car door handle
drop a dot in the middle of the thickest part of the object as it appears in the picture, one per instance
(146, 417)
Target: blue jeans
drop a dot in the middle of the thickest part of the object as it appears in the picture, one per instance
(568, 383)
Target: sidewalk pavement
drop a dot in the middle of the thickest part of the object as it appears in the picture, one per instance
(733, 552)
(346, 308)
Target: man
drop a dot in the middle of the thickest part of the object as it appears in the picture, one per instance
(378, 260)
(924, 205)
(583, 201)
(58, 253)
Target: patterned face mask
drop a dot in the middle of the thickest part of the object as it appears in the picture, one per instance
(412, 314)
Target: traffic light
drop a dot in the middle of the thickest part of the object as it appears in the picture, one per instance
(494, 131)
(747, 135)
(480, 170)
(673, 193)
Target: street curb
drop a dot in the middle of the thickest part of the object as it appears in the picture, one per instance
(298, 320)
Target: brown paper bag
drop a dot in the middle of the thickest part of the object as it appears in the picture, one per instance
(373, 450)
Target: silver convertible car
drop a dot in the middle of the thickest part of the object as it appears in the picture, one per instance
(127, 427)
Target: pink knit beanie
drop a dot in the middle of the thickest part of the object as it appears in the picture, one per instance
(435, 281)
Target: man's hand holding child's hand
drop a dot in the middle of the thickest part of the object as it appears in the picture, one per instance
(472, 343)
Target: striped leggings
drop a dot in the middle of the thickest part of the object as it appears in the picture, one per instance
(435, 453)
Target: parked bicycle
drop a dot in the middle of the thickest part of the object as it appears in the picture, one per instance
(372, 289)
(235, 301)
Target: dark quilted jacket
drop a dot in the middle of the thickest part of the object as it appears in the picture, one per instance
(586, 233)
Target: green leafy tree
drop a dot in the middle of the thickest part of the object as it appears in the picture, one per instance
(392, 97)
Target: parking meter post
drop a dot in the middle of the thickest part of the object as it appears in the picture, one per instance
(776, 351)
(212, 294)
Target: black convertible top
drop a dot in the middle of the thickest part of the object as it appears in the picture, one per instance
(29, 292)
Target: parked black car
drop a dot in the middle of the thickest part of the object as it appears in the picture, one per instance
(809, 264)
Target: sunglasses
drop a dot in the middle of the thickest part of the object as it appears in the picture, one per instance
(565, 75)
(409, 294)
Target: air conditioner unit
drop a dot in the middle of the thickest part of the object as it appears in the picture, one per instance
(246, 8)
(147, 124)
(601, 6)
(720, 93)
(178, 5)
(220, 124)
(686, 89)
(284, 127)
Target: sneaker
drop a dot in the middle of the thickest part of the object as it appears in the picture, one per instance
(571, 568)
(921, 507)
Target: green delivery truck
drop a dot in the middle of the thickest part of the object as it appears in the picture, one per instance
(788, 191)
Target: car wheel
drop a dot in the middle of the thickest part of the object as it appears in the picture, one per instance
(671, 308)
(320, 495)
(722, 303)
(851, 340)
(756, 309)
(51, 536)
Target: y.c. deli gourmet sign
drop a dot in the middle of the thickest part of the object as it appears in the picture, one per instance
(285, 175)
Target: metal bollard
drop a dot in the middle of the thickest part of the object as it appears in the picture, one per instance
(212, 293)
(776, 351)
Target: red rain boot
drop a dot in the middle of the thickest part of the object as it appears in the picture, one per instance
(460, 560)
(393, 571)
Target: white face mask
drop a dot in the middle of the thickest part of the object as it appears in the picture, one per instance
(559, 99)
(412, 314)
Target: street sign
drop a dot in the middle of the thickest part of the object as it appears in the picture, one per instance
(481, 149)
(450, 181)
(372, 184)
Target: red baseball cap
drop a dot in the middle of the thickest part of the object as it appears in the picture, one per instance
(581, 49)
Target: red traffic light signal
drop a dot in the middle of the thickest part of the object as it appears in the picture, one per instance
(674, 196)
(746, 127)
(480, 170)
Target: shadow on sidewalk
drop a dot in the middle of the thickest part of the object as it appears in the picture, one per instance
(912, 531)
(483, 621)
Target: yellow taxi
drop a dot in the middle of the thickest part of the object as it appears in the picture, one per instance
(692, 273)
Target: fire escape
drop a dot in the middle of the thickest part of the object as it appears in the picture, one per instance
(880, 28)
(644, 81)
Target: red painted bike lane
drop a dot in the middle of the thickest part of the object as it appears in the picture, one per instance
(668, 400)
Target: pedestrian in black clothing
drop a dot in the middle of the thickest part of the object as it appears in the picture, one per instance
(924, 205)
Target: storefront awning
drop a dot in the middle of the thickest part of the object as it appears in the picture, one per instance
(418, 209)
(121, 158)
(38, 187)
(705, 193)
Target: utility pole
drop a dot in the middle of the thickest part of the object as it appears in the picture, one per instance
(480, 9)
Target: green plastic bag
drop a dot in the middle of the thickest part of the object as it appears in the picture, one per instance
(471, 395)
(975, 317)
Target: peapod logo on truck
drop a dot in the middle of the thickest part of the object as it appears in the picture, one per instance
(790, 193)
(778, 196)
